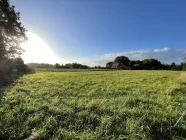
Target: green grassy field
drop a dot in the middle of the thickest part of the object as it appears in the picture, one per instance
(101, 105)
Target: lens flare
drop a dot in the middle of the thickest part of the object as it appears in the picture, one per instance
(37, 51)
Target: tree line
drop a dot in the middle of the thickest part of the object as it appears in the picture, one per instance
(58, 66)
(12, 34)
(123, 62)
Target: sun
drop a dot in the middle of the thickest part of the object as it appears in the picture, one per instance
(37, 51)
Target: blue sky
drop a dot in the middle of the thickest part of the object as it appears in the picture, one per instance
(95, 31)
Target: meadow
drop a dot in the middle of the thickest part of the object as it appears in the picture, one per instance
(101, 105)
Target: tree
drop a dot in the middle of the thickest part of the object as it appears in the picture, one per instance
(68, 65)
(166, 66)
(135, 62)
(173, 64)
(108, 65)
(75, 65)
(12, 32)
(40, 65)
(136, 65)
(84, 67)
(19, 65)
(151, 64)
(122, 60)
(57, 65)
(176, 68)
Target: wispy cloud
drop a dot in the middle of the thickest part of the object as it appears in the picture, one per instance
(165, 55)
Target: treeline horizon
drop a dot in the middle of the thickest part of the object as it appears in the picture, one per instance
(57, 65)
(146, 64)
(124, 63)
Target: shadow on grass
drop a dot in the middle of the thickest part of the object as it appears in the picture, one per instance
(7, 81)
(184, 84)
(163, 131)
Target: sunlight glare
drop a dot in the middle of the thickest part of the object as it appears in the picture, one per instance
(37, 51)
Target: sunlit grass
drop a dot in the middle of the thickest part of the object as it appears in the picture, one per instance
(95, 105)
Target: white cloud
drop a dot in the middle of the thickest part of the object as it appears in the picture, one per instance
(165, 55)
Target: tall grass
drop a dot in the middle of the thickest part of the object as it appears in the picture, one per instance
(95, 105)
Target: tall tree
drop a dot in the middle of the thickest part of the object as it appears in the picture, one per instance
(151, 64)
(57, 65)
(109, 64)
(122, 60)
(12, 32)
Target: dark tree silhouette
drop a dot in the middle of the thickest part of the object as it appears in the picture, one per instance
(151, 64)
(12, 32)
(136, 65)
(173, 64)
(40, 65)
(57, 65)
(122, 60)
(20, 66)
(109, 64)
(184, 64)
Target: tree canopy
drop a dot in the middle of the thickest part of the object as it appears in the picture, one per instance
(12, 32)
(108, 65)
(151, 64)
(122, 59)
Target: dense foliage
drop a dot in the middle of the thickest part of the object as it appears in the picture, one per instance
(11, 69)
(73, 66)
(146, 64)
(95, 105)
(12, 32)
(58, 66)
(108, 65)
(40, 65)
(122, 59)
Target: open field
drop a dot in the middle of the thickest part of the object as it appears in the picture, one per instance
(95, 105)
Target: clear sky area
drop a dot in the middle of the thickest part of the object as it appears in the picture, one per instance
(94, 32)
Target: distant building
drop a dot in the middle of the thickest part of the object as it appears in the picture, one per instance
(115, 65)
(118, 65)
